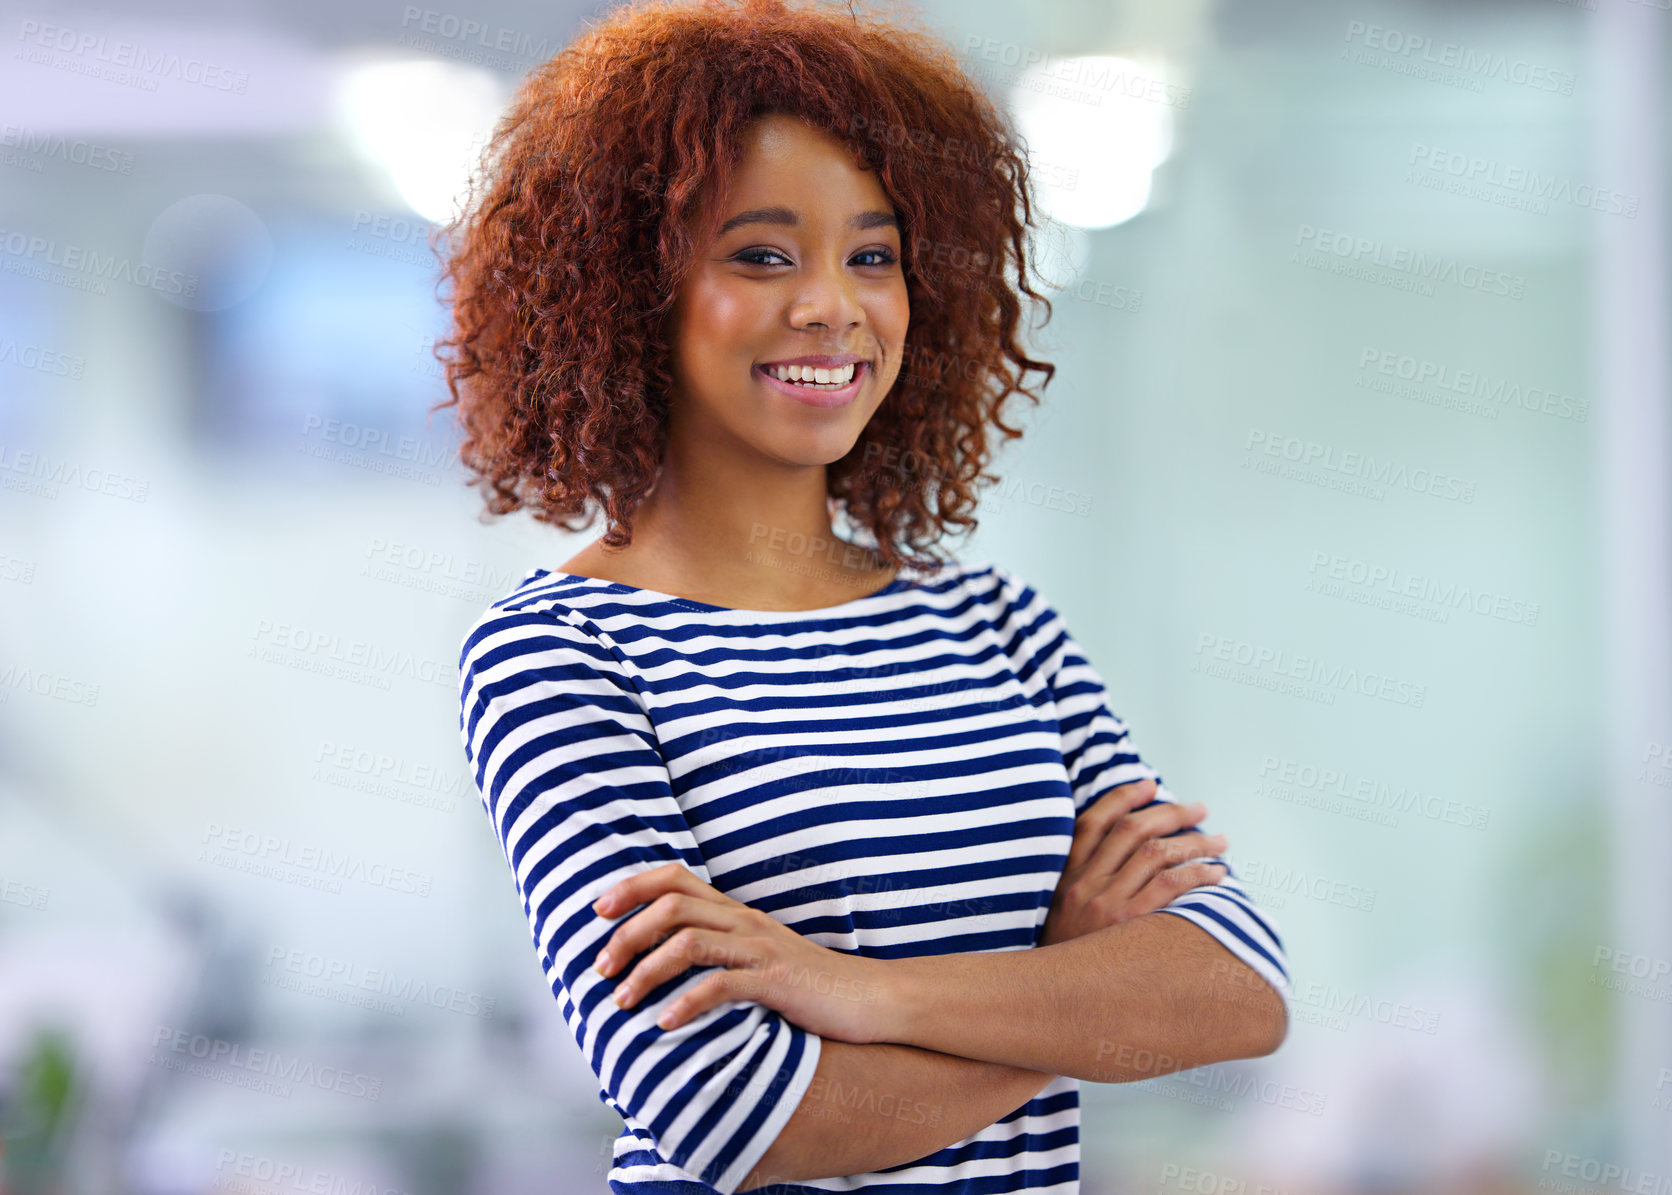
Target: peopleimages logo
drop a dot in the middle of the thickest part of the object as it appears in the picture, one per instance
(142, 60)
(1472, 383)
(373, 449)
(20, 678)
(1447, 595)
(1292, 881)
(348, 982)
(1313, 670)
(1340, 1002)
(1414, 47)
(450, 27)
(1474, 170)
(42, 360)
(33, 255)
(1596, 1173)
(1358, 468)
(1278, 777)
(348, 659)
(1250, 1087)
(26, 470)
(42, 145)
(1207, 1182)
(1356, 254)
(289, 1176)
(307, 863)
(385, 775)
(216, 1058)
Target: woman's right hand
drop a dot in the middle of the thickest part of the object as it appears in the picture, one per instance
(1120, 866)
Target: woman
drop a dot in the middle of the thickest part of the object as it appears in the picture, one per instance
(834, 855)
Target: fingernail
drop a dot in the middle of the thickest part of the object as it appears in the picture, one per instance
(605, 963)
(602, 904)
(666, 1019)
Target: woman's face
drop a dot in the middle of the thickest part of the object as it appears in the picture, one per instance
(810, 267)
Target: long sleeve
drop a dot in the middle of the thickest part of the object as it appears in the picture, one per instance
(1099, 752)
(573, 781)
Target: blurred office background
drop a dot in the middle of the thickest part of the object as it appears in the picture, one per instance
(1360, 507)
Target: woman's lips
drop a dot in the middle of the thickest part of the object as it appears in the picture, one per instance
(815, 397)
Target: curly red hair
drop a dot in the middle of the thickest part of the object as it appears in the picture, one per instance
(594, 207)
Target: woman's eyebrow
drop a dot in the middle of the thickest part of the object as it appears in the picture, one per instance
(783, 215)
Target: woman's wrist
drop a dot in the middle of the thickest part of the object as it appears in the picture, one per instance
(907, 996)
(904, 993)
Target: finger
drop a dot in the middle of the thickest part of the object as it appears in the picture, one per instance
(1096, 818)
(645, 886)
(1144, 806)
(716, 989)
(1123, 798)
(687, 948)
(1098, 852)
(1162, 820)
(1154, 855)
(1174, 882)
(638, 888)
(1167, 819)
(656, 922)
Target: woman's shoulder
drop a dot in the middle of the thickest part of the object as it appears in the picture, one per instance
(999, 581)
(529, 616)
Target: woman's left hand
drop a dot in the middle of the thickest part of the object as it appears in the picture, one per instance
(692, 924)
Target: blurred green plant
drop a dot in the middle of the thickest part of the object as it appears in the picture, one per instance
(1556, 920)
(37, 1118)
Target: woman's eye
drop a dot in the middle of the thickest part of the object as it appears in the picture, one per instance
(749, 256)
(752, 256)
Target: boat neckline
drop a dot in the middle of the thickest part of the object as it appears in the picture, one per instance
(901, 582)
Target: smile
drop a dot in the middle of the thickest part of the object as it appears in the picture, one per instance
(816, 395)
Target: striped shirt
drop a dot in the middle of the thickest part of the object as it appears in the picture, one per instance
(894, 776)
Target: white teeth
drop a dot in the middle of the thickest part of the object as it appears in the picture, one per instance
(807, 376)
